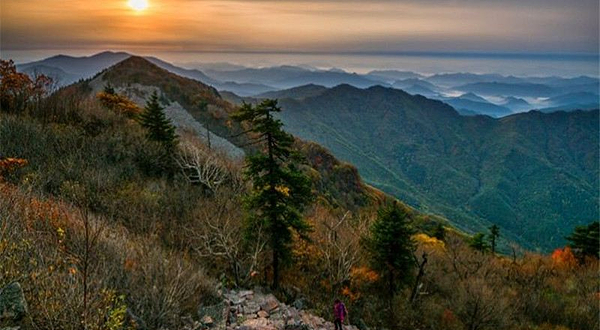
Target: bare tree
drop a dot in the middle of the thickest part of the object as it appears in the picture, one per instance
(92, 231)
(339, 243)
(218, 233)
(201, 165)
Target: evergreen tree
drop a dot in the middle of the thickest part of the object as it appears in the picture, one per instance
(391, 247)
(585, 240)
(109, 89)
(494, 234)
(280, 191)
(439, 232)
(158, 126)
(479, 243)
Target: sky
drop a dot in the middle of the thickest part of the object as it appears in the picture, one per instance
(305, 26)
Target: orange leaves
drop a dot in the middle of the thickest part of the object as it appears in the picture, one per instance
(360, 279)
(363, 275)
(448, 318)
(430, 243)
(9, 165)
(129, 264)
(346, 292)
(564, 258)
(17, 89)
(119, 104)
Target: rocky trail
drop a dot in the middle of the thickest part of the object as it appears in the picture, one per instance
(254, 310)
(239, 310)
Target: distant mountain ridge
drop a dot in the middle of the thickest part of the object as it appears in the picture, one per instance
(535, 175)
(250, 82)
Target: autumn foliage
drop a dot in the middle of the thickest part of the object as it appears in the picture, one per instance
(564, 258)
(17, 90)
(162, 242)
(119, 104)
(9, 165)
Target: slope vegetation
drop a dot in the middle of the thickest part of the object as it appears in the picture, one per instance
(534, 174)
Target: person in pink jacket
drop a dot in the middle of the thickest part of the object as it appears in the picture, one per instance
(339, 314)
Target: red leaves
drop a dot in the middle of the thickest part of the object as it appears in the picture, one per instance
(564, 258)
(17, 89)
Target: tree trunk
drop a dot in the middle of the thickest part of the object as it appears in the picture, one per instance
(275, 269)
(391, 291)
(415, 290)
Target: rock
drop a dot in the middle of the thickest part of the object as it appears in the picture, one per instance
(13, 306)
(207, 321)
(299, 303)
(270, 303)
(251, 308)
(246, 293)
(256, 323)
(260, 311)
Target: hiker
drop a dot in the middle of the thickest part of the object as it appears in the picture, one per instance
(339, 314)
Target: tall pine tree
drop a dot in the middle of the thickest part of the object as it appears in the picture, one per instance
(391, 247)
(494, 234)
(158, 126)
(479, 243)
(280, 191)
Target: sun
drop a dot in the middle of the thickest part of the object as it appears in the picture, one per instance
(138, 5)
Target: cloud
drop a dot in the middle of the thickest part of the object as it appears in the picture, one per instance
(305, 25)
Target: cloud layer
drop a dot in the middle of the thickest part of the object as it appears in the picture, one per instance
(303, 26)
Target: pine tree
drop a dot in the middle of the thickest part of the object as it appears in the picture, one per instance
(391, 247)
(585, 240)
(280, 191)
(440, 232)
(109, 89)
(158, 126)
(478, 242)
(494, 234)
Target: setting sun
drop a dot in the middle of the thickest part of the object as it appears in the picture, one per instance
(138, 4)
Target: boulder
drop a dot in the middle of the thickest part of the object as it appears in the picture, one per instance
(13, 306)
(270, 303)
(207, 321)
(251, 308)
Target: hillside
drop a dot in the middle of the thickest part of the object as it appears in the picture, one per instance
(98, 222)
(339, 183)
(534, 175)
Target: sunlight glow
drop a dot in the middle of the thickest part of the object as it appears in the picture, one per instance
(138, 5)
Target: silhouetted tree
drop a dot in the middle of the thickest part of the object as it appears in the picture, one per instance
(280, 191)
(585, 240)
(494, 234)
(478, 242)
(109, 89)
(439, 232)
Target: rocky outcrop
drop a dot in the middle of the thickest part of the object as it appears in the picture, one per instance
(253, 310)
(13, 306)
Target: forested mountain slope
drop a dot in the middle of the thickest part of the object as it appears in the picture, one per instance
(534, 174)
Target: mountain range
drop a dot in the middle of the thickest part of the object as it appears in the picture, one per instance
(542, 93)
(533, 174)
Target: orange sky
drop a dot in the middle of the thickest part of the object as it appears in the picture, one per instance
(305, 26)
